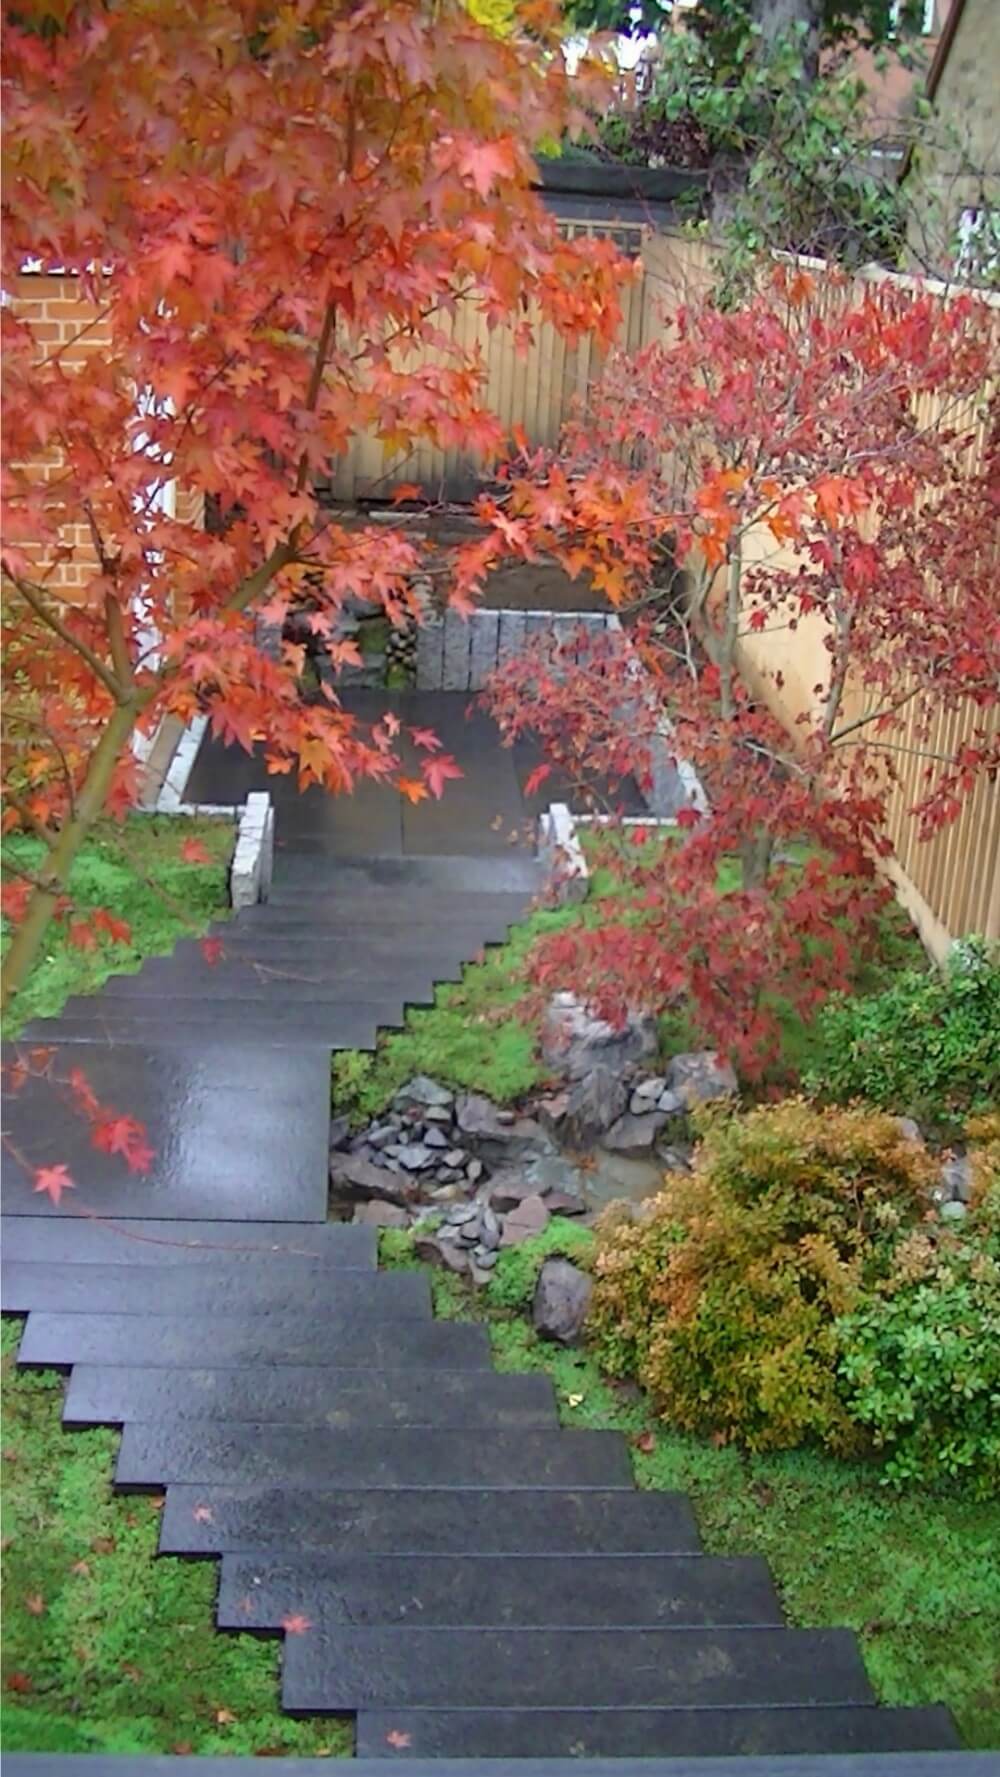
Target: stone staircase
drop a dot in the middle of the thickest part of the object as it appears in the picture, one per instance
(474, 1583)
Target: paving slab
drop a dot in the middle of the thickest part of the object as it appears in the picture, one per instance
(254, 1286)
(256, 1591)
(217, 1117)
(265, 1455)
(317, 1396)
(213, 1520)
(71, 1238)
(166, 1341)
(332, 1668)
(752, 1736)
(208, 1027)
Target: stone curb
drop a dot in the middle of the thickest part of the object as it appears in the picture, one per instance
(253, 854)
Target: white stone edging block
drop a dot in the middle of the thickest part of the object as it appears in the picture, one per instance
(253, 854)
(171, 796)
(561, 855)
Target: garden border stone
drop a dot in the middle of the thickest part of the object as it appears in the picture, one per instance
(253, 854)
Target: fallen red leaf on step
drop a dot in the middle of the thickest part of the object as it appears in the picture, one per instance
(295, 1624)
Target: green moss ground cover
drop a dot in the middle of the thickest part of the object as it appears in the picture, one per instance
(136, 872)
(916, 1573)
(108, 1649)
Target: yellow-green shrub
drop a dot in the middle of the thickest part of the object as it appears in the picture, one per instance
(722, 1302)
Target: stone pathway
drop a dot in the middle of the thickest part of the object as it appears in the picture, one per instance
(470, 1580)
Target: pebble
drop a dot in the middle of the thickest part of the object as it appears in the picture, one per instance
(474, 1171)
(413, 1156)
(434, 1138)
(463, 1212)
(485, 1257)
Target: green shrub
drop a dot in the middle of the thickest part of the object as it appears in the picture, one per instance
(920, 1364)
(515, 1274)
(927, 1047)
(722, 1303)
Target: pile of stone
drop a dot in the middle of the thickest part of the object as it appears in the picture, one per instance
(492, 1176)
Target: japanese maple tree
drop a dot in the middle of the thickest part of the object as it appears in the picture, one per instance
(271, 210)
(801, 459)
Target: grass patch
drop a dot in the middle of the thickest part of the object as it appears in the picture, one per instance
(135, 871)
(916, 1575)
(480, 1036)
(106, 1648)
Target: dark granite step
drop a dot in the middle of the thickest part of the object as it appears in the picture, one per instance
(346, 1025)
(81, 1240)
(217, 1115)
(310, 863)
(303, 978)
(252, 1287)
(747, 1733)
(257, 1590)
(329, 1669)
(425, 1522)
(265, 1455)
(164, 1341)
(316, 1396)
(258, 993)
(915, 1764)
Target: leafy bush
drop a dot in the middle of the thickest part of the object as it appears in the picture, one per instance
(515, 1274)
(723, 1302)
(920, 1363)
(928, 1047)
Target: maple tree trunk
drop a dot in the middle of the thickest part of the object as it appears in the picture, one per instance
(53, 876)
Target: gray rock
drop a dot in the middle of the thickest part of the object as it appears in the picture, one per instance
(474, 1171)
(357, 1180)
(435, 1251)
(489, 1229)
(425, 1092)
(485, 1257)
(435, 1137)
(469, 1234)
(455, 1157)
(498, 1133)
(594, 1102)
(463, 1212)
(701, 1075)
(529, 1217)
(954, 1211)
(446, 1175)
(956, 1178)
(446, 1193)
(381, 1134)
(508, 1190)
(381, 1215)
(671, 1104)
(562, 1298)
(340, 1133)
(565, 1203)
(553, 1172)
(648, 1092)
(438, 1113)
(675, 1158)
(909, 1128)
(574, 1041)
(633, 1135)
(413, 1156)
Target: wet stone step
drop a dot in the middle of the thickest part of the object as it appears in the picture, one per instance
(309, 978)
(211, 1520)
(341, 1026)
(331, 1668)
(474, 875)
(681, 1733)
(217, 1115)
(257, 1591)
(316, 1396)
(70, 1239)
(162, 1340)
(263, 1455)
(260, 1286)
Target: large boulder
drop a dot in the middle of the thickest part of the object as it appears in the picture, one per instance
(498, 1135)
(701, 1075)
(422, 1092)
(562, 1298)
(528, 1218)
(593, 1103)
(356, 1180)
(574, 1041)
(634, 1134)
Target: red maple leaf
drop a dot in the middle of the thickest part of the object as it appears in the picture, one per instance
(52, 1181)
(118, 930)
(396, 1737)
(412, 789)
(426, 738)
(212, 951)
(202, 1514)
(438, 771)
(295, 1624)
(536, 778)
(124, 1136)
(193, 852)
(81, 935)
